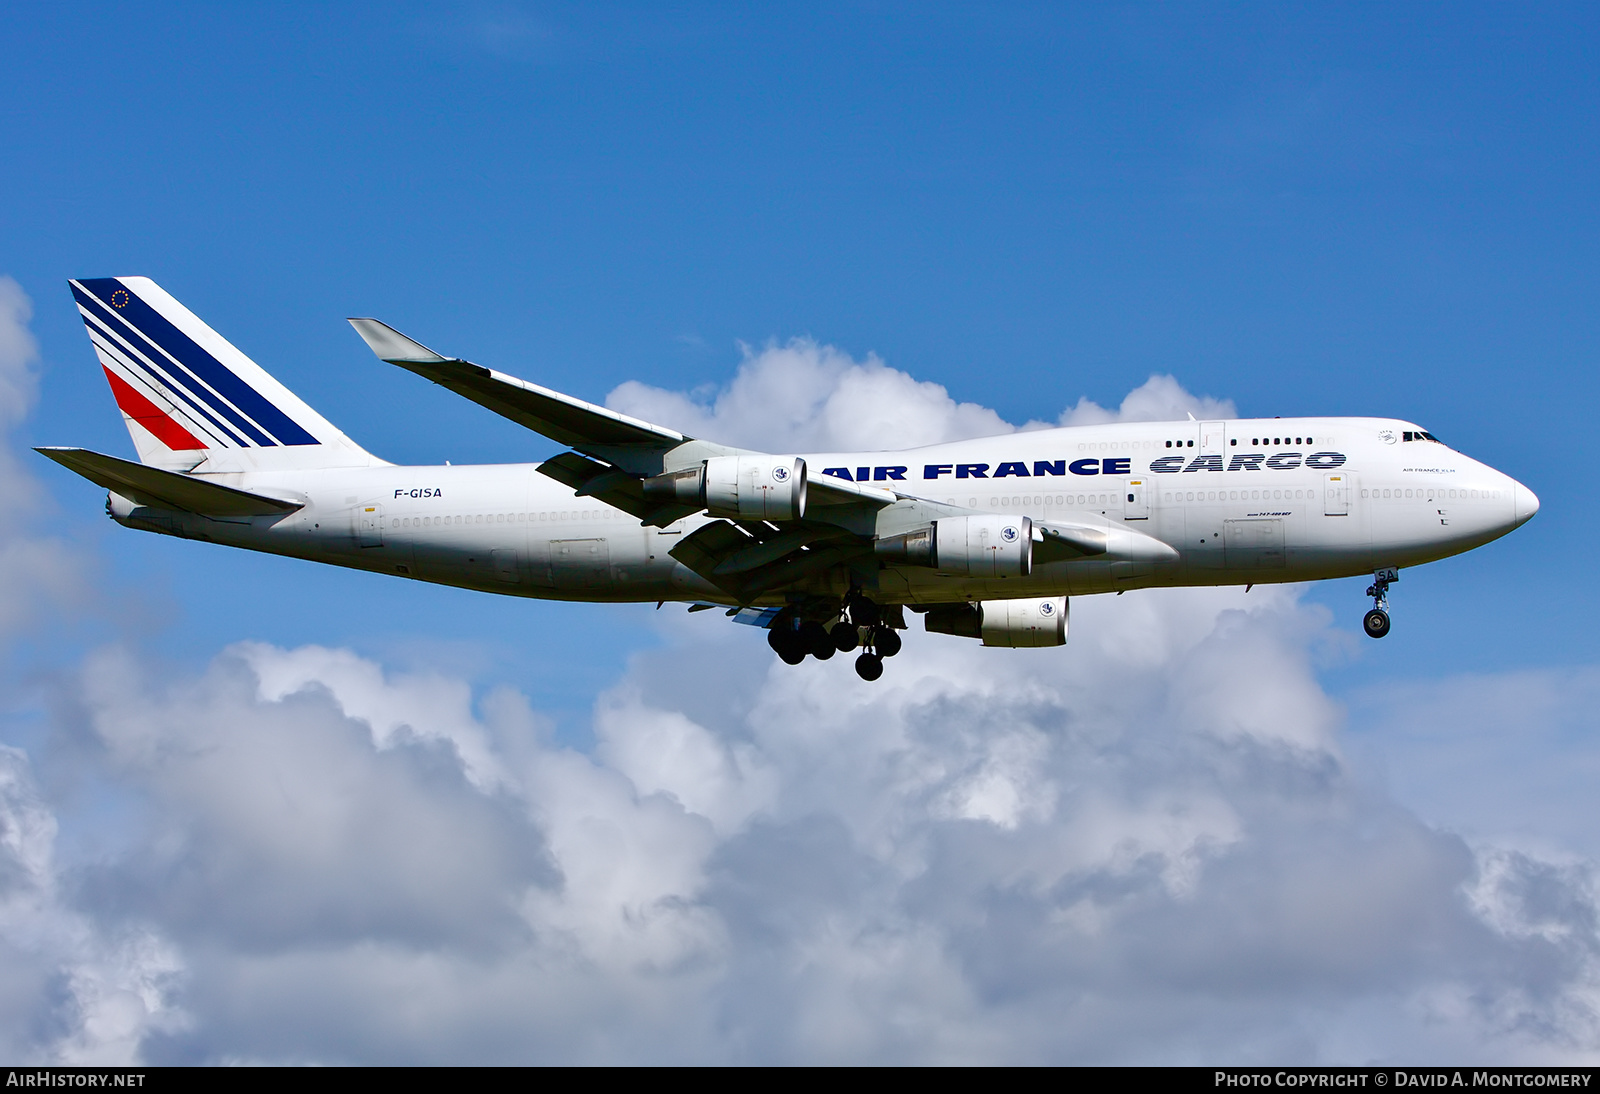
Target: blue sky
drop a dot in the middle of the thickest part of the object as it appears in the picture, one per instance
(1301, 209)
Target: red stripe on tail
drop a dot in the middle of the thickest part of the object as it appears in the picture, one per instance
(152, 417)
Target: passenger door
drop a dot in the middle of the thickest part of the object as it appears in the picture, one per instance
(369, 525)
(1336, 494)
(1137, 506)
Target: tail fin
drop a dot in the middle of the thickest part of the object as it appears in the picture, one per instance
(191, 401)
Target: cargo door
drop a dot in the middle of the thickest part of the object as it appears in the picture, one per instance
(505, 565)
(1254, 543)
(580, 563)
(1213, 437)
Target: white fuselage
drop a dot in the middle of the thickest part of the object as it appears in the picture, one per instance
(1242, 501)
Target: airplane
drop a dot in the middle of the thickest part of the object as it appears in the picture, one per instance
(986, 539)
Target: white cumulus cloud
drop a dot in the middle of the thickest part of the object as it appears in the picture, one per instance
(1150, 846)
(802, 394)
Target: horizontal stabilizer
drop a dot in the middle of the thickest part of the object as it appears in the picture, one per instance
(166, 489)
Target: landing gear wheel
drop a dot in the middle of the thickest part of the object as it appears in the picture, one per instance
(845, 637)
(815, 640)
(1376, 622)
(786, 644)
(886, 642)
(869, 666)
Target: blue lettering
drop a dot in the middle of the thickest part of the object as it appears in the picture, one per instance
(1284, 461)
(838, 473)
(1049, 467)
(1247, 461)
(863, 474)
(1324, 461)
(1012, 468)
(1204, 463)
(1166, 465)
(1114, 466)
(972, 470)
(880, 474)
(934, 470)
(1085, 467)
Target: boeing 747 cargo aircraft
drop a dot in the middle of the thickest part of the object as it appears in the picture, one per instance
(986, 539)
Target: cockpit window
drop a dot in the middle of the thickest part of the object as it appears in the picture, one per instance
(1419, 435)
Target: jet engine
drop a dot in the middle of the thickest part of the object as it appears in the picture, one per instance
(741, 487)
(756, 487)
(1030, 621)
(979, 546)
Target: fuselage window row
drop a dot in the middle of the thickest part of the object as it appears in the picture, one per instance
(501, 518)
(1081, 499)
(1237, 495)
(1452, 495)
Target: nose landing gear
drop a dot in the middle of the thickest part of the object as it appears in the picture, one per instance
(1376, 621)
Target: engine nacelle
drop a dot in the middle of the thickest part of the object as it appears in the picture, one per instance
(756, 487)
(913, 548)
(1028, 622)
(983, 546)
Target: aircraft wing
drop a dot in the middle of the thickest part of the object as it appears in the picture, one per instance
(628, 443)
(167, 489)
(591, 478)
(612, 451)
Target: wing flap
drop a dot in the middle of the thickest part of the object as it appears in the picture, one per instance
(768, 551)
(166, 489)
(704, 549)
(591, 478)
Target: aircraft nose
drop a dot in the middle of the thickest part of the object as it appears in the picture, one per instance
(1525, 505)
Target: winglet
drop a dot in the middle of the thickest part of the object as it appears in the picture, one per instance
(390, 345)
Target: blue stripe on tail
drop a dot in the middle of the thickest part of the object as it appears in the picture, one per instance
(154, 326)
(154, 366)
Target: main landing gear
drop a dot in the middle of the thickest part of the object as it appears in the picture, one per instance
(793, 637)
(1376, 622)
